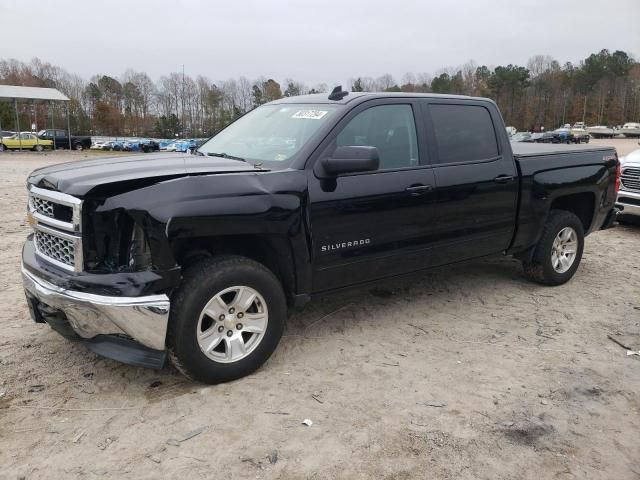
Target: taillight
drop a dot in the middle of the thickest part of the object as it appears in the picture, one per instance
(618, 173)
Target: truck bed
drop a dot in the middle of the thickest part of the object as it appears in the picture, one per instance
(523, 149)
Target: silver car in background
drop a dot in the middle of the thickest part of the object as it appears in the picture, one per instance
(629, 193)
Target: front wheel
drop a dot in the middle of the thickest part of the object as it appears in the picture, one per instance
(558, 253)
(226, 319)
(78, 147)
(38, 148)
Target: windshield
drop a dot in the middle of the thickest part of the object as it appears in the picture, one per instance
(270, 133)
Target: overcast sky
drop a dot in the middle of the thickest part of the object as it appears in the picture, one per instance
(312, 41)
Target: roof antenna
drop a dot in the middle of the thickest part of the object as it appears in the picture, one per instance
(337, 93)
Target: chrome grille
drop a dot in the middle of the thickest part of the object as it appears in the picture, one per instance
(40, 205)
(630, 179)
(56, 220)
(57, 248)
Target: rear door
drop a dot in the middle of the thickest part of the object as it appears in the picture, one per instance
(374, 224)
(476, 182)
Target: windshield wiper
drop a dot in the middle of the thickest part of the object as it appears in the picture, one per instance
(226, 155)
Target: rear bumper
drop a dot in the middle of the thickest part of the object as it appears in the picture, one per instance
(122, 324)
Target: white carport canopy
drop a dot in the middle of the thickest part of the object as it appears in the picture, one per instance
(13, 93)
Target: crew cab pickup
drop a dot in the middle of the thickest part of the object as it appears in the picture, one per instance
(200, 257)
(61, 139)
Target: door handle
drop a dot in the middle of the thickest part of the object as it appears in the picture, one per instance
(416, 190)
(503, 178)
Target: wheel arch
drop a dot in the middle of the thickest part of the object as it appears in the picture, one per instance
(582, 205)
(271, 250)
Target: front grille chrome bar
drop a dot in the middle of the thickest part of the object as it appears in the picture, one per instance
(57, 222)
(60, 248)
(41, 208)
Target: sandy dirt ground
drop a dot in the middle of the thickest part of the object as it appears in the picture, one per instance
(463, 373)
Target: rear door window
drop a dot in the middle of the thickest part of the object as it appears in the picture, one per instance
(463, 133)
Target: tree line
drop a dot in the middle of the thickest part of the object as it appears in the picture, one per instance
(602, 89)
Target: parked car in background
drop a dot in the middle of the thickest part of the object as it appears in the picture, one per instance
(570, 135)
(542, 137)
(116, 145)
(631, 130)
(101, 145)
(187, 145)
(521, 137)
(150, 146)
(198, 144)
(24, 141)
(164, 144)
(6, 133)
(171, 147)
(562, 135)
(131, 146)
(580, 135)
(629, 193)
(62, 140)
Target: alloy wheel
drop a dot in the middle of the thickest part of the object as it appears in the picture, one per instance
(232, 324)
(564, 250)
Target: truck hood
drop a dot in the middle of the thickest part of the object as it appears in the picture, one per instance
(78, 178)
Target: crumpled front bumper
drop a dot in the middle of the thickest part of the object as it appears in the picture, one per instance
(100, 319)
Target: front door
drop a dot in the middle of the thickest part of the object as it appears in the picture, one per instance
(374, 224)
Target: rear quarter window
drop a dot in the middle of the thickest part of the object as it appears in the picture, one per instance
(464, 133)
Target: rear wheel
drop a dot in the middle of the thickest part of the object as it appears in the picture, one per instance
(78, 147)
(226, 319)
(2, 147)
(558, 253)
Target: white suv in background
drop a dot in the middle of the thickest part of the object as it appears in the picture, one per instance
(629, 193)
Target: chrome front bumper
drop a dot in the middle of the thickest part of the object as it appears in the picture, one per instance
(629, 208)
(144, 319)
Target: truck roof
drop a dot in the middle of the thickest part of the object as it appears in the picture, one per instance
(353, 96)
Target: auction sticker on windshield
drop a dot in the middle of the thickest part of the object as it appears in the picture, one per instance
(312, 114)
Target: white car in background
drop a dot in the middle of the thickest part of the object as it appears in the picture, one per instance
(100, 145)
(629, 193)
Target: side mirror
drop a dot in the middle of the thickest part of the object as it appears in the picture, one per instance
(351, 159)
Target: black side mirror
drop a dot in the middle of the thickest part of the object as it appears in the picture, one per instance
(351, 159)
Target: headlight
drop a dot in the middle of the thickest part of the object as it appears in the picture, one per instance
(114, 242)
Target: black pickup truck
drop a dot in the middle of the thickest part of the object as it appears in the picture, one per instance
(61, 139)
(200, 257)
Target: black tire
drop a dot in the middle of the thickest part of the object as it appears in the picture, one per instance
(2, 147)
(38, 148)
(201, 283)
(78, 147)
(540, 268)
